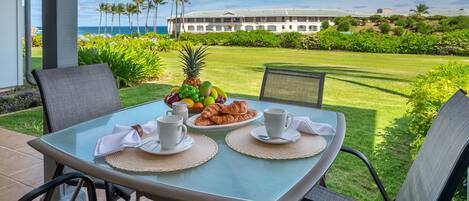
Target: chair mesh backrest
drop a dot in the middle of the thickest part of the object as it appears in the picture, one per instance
(294, 87)
(444, 155)
(76, 94)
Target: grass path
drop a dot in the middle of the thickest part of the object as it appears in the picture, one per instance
(370, 89)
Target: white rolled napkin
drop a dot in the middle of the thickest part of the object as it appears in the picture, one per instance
(120, 138)
(305, 125)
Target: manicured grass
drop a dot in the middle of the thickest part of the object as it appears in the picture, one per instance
(370, 89)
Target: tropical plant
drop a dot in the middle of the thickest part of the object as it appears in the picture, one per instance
(102, 8)
(113, 11)
(106, 11)
(344, 26)
(398, 31)
(130, 10)
(157, 3)
(384, 28)
(120, 10)
(148, 6)
(193, 61)
(420, 9)
(324, 25)
(138, 4)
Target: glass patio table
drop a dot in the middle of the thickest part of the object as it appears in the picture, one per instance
(228, 176)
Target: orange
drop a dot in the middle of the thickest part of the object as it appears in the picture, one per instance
(198, 105)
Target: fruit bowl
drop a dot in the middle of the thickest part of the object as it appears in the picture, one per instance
(196, 97)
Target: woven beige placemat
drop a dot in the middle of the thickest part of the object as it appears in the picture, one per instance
(241, 141)
(133, 159)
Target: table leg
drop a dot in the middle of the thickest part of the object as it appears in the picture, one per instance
(57, 172)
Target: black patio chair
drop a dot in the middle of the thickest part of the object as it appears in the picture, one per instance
(63, 179)
(77, 94)
(293, 87)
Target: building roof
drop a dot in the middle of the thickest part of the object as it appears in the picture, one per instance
(449, 13)
(274, 12)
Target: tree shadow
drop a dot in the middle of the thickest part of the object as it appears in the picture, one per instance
(373, 87)
(336, 70)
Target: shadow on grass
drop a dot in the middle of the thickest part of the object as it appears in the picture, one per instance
(336, 70)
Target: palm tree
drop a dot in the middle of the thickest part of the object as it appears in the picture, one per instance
(156, 4)
(120, 10)
(148, 5)
(176, 23)
(130, 9)
(101, 9)
(138, 4)
(420, 9)
(171, 16)
(113, 11)
(182, 16)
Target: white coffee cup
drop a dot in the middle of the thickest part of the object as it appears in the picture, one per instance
(179, 108)
(171, 131)
(277, 121)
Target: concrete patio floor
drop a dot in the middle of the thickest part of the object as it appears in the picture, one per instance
(21, 167)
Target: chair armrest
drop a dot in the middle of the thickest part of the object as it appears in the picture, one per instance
(59, 181)
(370, 168)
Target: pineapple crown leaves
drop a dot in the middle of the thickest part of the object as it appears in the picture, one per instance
(192, 59)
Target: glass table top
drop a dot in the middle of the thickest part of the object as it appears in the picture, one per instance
(229, 173)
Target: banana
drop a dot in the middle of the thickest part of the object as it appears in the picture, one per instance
(220, 92)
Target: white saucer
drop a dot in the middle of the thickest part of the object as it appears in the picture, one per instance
(289, 134)
(154, 146)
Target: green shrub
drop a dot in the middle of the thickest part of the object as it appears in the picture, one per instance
(412, 43)
(344, 26)
(325, 25)
(290, 39)
(401, 22)
(167, 45)
(385, 28)
(398, 31)
(430, 91)
(257, 38)
(131, 60)
(36, 41)
(456, 43)
(376, 18)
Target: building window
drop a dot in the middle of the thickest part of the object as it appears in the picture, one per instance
(301, 28)
(209, 28)
(291, 19)
(200, 28)
(226, 19)
(237, 27)
(291, 27)
(271, 19)
(248, 19)
(283, 26)
(259, 19)
(217, 19)
(313, 28)
(190, 20)
(272, 28)
(199, 20)
(260, 27)
(218, 28)
(313, 19)
(228, 28)
(283, 19)
(190, 28)
(237, 19)
(208, 20)
(249, 28)
(301, 19)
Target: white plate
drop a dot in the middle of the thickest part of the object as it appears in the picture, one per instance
(290, 134)
(191, 123)
(154, 147)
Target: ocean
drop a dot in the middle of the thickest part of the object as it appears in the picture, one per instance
(116, 30)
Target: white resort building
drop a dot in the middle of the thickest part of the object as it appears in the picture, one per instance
(275, 20)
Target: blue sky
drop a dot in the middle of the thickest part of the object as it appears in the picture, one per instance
(88, 16)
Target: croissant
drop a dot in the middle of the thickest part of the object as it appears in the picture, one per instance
(200, 121)
(235, 108)
(224, 119)
(211, 110)
(250, 114)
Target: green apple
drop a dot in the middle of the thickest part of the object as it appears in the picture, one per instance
(208, 101)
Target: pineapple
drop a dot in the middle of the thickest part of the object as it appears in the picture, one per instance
(192, 60)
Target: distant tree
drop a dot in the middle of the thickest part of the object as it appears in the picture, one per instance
(343, 26)
(138, 4)
(454, 23)
(410, 23)
(325, 25)
(376, 18)
(148, 6)
(102, 9)
(401, 22)
(420, 9)
(113, 11)
(395, 18)
(398, 31)
(130, 10)
(107, 10)
(385, 28)
(157, 3)
(423, 28)
(350, 19)
(120, 10)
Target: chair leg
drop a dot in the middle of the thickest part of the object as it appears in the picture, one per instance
(109, 191)
(322, 182)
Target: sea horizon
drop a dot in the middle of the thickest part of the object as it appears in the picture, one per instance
(82, 30)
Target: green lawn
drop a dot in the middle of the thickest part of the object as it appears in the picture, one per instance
(370, 89)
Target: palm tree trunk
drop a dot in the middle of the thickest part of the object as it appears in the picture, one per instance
(100, 18)
(105, 24)
(138, 20)
(176, 21)
(146, 20)
(112, 22)
(171, 17)
(130, 23)
(155, 18)
(119, 23)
